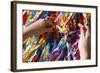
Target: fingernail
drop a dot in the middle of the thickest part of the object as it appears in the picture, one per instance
(54, 23)
(84, 28)
(54, 30)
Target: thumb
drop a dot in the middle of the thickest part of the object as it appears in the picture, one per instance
(82, 32)
(47, 23)
(87, 32)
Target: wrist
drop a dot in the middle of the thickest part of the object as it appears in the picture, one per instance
(84, 54)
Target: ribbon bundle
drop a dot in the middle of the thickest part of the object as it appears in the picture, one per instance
(55, 46)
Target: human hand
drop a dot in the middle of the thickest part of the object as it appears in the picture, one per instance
(84, 42)
(40, 26)
(44, 26)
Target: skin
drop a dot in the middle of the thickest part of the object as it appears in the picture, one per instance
(84, 43)
(42, 26)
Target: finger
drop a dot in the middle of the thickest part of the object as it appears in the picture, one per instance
(82, 32)
(80, 25)
(43, 30)
(48, 29)
(47, 23)
(39, 23)
(43, 23)
(87, 32)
